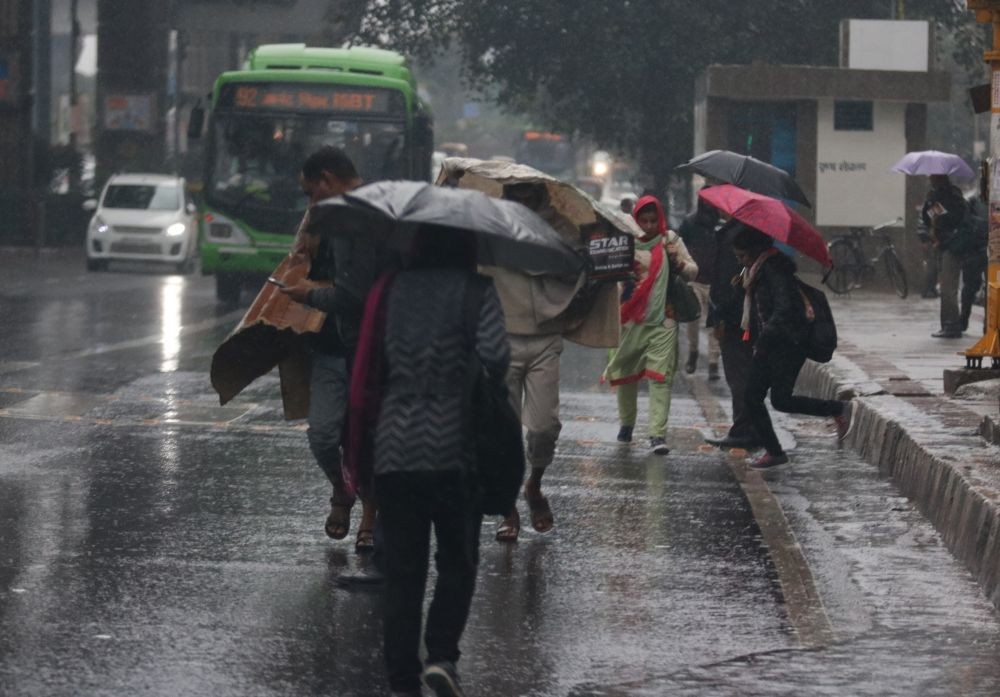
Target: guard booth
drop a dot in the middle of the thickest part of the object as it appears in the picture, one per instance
(836, 129)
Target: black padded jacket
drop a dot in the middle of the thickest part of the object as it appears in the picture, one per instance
(778, 313)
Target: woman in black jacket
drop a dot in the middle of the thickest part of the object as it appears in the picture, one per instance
(774, 320)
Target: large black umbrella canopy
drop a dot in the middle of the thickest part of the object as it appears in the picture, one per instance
(507, 234)
(747, 173)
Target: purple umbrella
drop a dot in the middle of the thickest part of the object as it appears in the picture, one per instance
(934, 162)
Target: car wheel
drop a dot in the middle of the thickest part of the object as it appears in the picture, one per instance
(185, 267)
(97, 264)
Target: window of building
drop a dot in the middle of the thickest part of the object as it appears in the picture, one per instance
(852, 116)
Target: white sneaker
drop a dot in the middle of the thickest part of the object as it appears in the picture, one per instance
(658, 446)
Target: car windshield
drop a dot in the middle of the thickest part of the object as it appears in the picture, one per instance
(161, 197)
(257, 157)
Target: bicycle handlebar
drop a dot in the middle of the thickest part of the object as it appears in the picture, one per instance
(889, 223)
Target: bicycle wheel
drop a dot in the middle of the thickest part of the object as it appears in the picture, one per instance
(896, 272)
(846, 271)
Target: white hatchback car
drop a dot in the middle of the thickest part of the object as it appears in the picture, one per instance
(143, 217)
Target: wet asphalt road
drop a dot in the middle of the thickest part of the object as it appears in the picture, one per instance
(153, 543)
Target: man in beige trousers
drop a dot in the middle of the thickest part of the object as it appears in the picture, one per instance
(536, 318)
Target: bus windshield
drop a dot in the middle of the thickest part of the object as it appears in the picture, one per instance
(256, 158)
(549, 152)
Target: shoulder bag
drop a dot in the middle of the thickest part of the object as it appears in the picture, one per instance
(680, 295)
(495, 428)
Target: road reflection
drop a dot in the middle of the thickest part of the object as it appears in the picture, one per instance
(171, 303)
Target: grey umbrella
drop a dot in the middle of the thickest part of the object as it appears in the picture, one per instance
(747, 173)
(507, 234)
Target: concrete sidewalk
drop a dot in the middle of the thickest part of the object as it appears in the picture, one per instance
(929, 444)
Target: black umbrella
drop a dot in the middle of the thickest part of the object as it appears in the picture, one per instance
(747, 173)
(507, 234)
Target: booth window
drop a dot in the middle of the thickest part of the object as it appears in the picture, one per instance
(852, 116)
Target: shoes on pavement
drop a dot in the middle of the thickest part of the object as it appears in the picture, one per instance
(768, 461)
(625, 434)
(845, 420)
(713, 371)
(443, 679)
(928, 294)
(947, 334)
(692, 362)
(731, 442)
(658, 446)
(338, 522)
(366, 578)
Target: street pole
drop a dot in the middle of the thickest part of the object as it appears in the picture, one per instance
(74, 97)
(988, 12)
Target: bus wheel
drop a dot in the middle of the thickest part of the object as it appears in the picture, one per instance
(227, 288)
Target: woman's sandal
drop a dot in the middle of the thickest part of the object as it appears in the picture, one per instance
(541, 514)
(338, 523)
(365, 544)
(509, 528)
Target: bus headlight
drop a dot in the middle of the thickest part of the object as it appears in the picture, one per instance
(176, 230)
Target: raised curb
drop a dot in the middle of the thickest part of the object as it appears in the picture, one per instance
(951, 474)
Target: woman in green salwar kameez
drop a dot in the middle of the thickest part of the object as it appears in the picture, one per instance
(648, 347)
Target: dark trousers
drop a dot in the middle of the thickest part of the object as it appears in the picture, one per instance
(973, 268)
(409, 504)
(776, 370)
(736, 355)
(329, 387)
(931, 264)
(949, 274)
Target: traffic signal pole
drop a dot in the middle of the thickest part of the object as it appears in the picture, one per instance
(988, 12)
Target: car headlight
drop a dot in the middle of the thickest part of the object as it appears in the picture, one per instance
(100, 227)
(176, 229)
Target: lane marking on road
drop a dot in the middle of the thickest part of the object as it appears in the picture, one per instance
(803, 603)
(14, 366)
(152, 340)
(228, 426)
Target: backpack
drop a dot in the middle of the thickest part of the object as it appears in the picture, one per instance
(971, 235)
(821, 337)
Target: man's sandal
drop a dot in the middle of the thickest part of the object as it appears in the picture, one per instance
(338, 523)
(509, 528)
(541, 514)
(365, 544)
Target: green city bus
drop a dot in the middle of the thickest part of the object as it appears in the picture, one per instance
(266, 119)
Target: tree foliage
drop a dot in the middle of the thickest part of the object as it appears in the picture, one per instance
(623, 73)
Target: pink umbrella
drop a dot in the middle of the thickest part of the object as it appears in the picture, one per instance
(770, 216)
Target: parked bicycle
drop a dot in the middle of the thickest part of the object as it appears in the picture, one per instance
(851, 263)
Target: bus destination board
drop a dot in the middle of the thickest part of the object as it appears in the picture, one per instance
(306, 97)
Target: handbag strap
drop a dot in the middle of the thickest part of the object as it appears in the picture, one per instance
(472, 304)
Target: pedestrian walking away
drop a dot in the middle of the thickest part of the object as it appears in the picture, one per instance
(698, 233)
(329, 172)
(423, 456)
(535, 313)
(975, 259)
(775, 321)
(648, 348)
